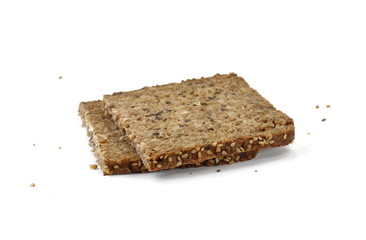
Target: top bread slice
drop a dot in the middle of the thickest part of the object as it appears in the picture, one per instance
(198, 119)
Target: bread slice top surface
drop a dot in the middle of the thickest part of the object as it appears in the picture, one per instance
(194, 113)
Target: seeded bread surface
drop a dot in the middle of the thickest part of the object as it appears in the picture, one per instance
(198, 119)
(114, 153)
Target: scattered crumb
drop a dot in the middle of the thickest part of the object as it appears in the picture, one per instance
(256, 170)
(59, 147)
(328, 106)
(34, 144)
(324, 119)
(218, 170)
(190, 173)
(93, 166)
(309, 133)
(317, 106)
(32, 185)
(60, 77)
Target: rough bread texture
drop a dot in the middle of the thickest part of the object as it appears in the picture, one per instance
(114, 153)
(189, 122)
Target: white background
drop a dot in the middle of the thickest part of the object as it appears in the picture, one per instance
(297, 54)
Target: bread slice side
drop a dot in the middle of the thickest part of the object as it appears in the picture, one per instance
(199, 119)
(113, 151)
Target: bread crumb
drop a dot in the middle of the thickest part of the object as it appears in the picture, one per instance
(32, 185)
(60, 77)
(309, 133)
(328, 106)
(218, 170)
(93, 166)
(324, 119)
(34, 144)
(59, 147)
(317, 106)
(256, 170)
(190, 173)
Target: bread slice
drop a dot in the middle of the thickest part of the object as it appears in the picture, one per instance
(199, 119)
(114, 153)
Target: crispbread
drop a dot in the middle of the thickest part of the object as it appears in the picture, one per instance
(114, 153)
(199, 119)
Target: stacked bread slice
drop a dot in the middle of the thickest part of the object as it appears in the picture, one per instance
(198, 122)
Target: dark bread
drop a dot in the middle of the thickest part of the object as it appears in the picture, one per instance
(114, 153)
(199, 119)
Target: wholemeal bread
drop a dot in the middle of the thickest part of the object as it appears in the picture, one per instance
(114, 153)
(199, 119)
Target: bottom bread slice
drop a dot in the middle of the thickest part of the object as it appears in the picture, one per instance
(114, 153)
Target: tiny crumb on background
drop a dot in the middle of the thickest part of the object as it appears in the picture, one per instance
(328, 106)
(256, 170)
(32, 185)
(324, 119)
(59, 147)
(60, 77)
(93, 166)
(309, 133)
(218, 170)
(317, 106)
(34, 144)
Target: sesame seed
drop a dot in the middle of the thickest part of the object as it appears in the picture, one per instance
(185, 155)
(217, 160)
(231, 162)
(93, 166)
(271, 142)
(249, 146)
(232, 144)
(255, 138)
(197, 149)
(241, 149)
(285, 136)
(155, 162)
(193, 151)
(251, 141)
(199, 154)
(179, 158)
(214, 144)
(209, 152)
(179, 163)
(220, 145)
(237, 158)
(159, 166)
(238, 150)
(218, 149)
(260, 138)
(202, 149)
(261, 142)
(115, 166)
(134, 164)
(170, 159)
(224, 153)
